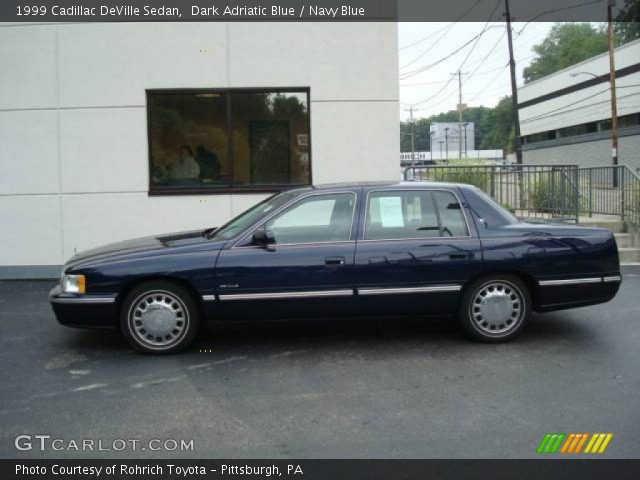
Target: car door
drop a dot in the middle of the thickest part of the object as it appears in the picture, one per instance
(306, 272)
(415, 252)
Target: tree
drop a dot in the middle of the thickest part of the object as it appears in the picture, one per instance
(493, 128)
(627, 26)
(497, 130)
(565, 45)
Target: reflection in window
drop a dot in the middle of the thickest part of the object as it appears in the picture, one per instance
(221, 140)
(451, 218)
(319, 218)
(413, 214)
(394, 215)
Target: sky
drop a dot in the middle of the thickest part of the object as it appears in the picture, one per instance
(433, 89)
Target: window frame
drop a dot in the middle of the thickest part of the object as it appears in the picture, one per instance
(294, 201)
(155, 191)
(437, 212)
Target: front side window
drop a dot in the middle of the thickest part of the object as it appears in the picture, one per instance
(250, 216)
(413, 214)
(319, 218)
(220, 140)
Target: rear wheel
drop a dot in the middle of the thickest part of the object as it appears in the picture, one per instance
(495, 308)
(159, 317)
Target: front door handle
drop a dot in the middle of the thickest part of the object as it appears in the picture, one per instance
(458, 256)
(334, 260)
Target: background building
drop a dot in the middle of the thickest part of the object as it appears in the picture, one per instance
(566, 117)
(446, 137)
(116, 130)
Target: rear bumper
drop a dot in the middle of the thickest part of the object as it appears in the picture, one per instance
(84, 311)
(558, 294)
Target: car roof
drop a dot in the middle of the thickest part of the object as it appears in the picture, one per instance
(377, 185)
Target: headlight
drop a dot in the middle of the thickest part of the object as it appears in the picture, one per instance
(73, 284)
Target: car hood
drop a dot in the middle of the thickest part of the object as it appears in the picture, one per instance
(143, 246)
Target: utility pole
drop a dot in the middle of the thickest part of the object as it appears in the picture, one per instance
(461, 107)
(612, 81)
(446, 141)
(514, 87)
(465, 138)
(413, 136)
(430, 142)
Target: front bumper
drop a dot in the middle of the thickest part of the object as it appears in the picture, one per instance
(84, 311)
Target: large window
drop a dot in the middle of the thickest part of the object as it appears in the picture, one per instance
(209, 141)
(413, 214)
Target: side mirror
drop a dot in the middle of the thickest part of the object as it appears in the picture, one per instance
(263, 238)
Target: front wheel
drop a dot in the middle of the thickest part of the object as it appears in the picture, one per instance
(495, 308)
(159, 317)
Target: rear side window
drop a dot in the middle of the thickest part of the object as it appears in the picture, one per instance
(451, 218)
(413, 214)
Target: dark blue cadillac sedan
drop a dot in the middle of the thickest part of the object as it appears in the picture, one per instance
(348, 250)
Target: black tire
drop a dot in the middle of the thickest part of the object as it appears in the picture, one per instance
(160, 317)
(500, 314)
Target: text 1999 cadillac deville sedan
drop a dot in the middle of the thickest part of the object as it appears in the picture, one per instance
(349, 250)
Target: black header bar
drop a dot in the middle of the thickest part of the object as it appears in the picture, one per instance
(319, 469)
(32, 11)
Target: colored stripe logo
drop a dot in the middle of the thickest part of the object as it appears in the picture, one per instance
(556, 442)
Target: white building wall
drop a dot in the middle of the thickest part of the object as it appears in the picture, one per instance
(73, 136)
(586, 105)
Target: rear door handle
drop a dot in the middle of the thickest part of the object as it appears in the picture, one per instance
(458, 256)
(334, 260)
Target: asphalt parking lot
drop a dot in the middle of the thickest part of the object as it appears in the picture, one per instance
(335, 389)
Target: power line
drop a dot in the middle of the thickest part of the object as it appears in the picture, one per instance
(440, 82)
(487, 56)
(464, 14)
(486, 27)
(423, 83)
(574, 115)
(490, 83)
(551, 113)
(404, 76)
(560, 9)
(427, 37)
(477, 39)
(431, 47)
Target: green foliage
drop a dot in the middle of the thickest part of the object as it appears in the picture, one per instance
(631, 208)
(627, 26)
(493, 127)
(498, 127)
(566, 45)
(479, 177)
(550, 193)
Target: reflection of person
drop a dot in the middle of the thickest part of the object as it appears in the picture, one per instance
(208, 163)
(185, 169)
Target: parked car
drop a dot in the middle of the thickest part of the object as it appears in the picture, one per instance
(350, 250)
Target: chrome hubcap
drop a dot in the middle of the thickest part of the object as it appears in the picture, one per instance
(497, 307)
(158, 319)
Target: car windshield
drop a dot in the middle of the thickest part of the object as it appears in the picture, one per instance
(249, 217)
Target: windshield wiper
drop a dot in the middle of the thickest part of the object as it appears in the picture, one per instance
(208, 232)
